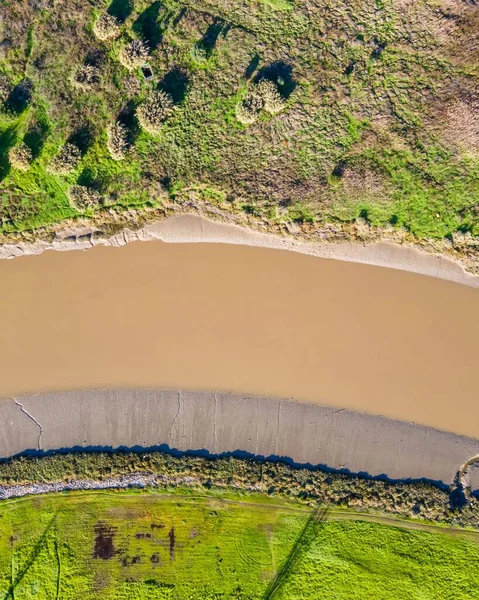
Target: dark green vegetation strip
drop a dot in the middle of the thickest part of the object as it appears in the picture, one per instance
(380, 120)
(138, 545)
(277, 480)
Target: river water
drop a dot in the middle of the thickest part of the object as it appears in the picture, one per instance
(242, 319)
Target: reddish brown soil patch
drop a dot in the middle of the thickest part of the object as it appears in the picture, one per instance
(104, 547)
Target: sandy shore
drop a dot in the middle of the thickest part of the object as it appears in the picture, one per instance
(221, 423)
(195, 229)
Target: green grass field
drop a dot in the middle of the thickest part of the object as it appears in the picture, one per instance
(153, 546)
(380, 120)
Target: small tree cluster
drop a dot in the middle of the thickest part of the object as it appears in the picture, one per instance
(106, 27)
(262, 96)
(86, 77)
(268, 90)
(20, 157)
(117, 143)
(66, 160)
(133, 55)
(82, 198)
(154, 110)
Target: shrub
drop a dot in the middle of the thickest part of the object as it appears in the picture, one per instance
(133, 55)
(5, 88)
(66, 160)
(117, 143)
(20, 157)
(268, 90)
(154, 110)
(82, 198)
(86, 77)
(248, 110)
(106, 27)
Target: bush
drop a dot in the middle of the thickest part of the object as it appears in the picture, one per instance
(82, 198)
(117, 141)
(133, 55)
(154, 110)
(106, 27)
(249, 109)
(268, 90)
(5, 88)
(20, 157)
(86, 77)
(66, 160)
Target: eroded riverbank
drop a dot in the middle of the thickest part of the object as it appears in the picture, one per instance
(193, 229)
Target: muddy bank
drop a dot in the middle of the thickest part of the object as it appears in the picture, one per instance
(195, 229)
(222, 423)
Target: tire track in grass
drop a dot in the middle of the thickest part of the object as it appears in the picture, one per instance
(37, 548)
(300, 546)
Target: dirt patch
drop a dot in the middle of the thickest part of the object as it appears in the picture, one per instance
(172, 537)
(104, 547)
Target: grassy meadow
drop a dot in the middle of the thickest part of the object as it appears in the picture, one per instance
(148, 545)
(380, 122)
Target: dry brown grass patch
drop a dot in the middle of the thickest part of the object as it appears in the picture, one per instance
(20, 157)
(82, 198)
(86, 77)
(66, 160)
(134, 55)
(154, 110)
(461, 130)
(106, 27)
(117, 143)
(364, 182)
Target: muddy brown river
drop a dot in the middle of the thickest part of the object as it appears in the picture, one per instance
(243, 319)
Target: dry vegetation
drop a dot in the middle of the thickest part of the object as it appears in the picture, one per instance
(83, 198)
(297, 117)
(20, 157)
(87, 77)
(66, 160)
(117, 141)
(133, 55)
(154, 111)
(106, 27)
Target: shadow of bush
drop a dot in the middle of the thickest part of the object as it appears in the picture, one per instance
(175, 83)
(120, 9)
(149, 25)
(20, 97)
(280, 73)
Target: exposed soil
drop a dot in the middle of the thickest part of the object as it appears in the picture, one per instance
(104, 548)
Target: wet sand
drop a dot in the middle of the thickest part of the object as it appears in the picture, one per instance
(243, 319)
(218, 423)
